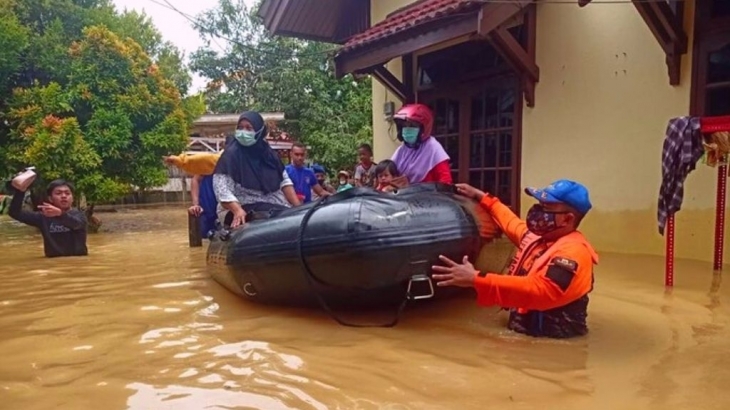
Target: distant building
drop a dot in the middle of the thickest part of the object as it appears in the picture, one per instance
(209, 134)
(210, 131)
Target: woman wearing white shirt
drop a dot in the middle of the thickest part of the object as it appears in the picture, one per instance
(249, 176)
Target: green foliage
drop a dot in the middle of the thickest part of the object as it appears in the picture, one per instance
(168, 58)
(194, 106)
(13, 43)
(90, 95)
(265, 73)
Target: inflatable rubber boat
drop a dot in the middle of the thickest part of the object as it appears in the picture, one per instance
(357, 248)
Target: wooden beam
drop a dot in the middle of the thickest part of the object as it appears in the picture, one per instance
(667, 28)
(370, 56)
(493, 15)
(531, 25)
(491, 25)
(669, 23)
(514, 53)
(195, 237)
(385, 77)
(408, 76)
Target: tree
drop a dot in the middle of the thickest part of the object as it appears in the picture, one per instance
(13, 43)
(168, 58)
(90, 95)
(108, 126)
(265, 73)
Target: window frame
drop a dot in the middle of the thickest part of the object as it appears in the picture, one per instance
(710, 35)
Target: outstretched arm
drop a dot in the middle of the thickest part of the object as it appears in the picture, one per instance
(16, 211)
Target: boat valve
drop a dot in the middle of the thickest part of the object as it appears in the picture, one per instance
(421, 278)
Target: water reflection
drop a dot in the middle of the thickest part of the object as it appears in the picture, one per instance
(139, 325)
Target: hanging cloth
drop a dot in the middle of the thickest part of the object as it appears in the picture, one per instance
(682, 149)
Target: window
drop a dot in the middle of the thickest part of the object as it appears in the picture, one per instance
(711, 65)
(476, 101)
(462, 62)
(446, 129)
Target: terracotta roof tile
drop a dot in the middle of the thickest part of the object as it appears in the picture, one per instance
(414, 15)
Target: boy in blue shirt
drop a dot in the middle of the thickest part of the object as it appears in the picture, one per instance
(303, 178)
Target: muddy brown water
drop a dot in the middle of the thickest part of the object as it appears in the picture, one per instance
(139, 324)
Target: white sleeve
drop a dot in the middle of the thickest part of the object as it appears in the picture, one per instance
(286, 181)
(224, 188)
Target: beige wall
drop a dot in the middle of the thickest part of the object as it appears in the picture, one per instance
(602, 106)
(384, 138)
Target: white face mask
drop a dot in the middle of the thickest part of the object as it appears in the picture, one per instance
(343, 181)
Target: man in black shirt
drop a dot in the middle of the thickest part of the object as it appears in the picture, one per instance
(63, 228)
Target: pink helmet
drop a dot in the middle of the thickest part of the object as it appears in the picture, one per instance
(419, 113)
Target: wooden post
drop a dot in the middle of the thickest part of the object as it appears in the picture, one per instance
(183, 182)
(194, 236)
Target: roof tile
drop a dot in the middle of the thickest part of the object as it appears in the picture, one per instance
(414, 15)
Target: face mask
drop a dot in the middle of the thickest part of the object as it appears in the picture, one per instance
(410, 134)
(541, 222)
(343, 181)
(245, 138)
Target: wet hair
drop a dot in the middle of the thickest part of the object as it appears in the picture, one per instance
(367, 148)
(386, 165)
(58, 183)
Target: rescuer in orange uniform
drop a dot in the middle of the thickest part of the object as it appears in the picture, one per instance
(546, 290)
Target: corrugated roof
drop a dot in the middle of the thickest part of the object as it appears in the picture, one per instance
(412, 16)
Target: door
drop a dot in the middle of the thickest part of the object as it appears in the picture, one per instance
(478, 125)
(492, 139)
(447, 128)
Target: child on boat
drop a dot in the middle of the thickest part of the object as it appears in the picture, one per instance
(365, 169)
(385, 172)
(345, 184)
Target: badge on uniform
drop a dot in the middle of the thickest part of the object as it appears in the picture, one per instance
(565, 263)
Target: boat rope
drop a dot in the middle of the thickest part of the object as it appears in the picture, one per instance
(311, 279)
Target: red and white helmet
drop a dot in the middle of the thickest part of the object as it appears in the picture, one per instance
(419, 113)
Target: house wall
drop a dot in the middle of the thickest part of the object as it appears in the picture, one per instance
(384, 136)
(602, 106)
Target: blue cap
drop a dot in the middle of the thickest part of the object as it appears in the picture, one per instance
(318, 169)
(563, 191)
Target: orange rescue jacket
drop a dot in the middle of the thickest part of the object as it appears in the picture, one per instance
(542, 276)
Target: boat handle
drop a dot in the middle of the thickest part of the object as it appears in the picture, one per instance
(421, 278)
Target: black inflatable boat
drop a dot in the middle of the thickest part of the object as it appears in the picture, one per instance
(357, 248)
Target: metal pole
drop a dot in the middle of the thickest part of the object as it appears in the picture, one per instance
(669, 265)
(720, 216)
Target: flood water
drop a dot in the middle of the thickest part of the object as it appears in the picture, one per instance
(139, 324)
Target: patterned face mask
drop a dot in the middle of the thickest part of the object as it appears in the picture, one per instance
(541, 222)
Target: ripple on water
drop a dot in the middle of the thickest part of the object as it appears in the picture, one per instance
(138, 324)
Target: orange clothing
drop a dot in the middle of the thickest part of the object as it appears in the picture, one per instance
(543, 276)
(196, 164)
(384, 188)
